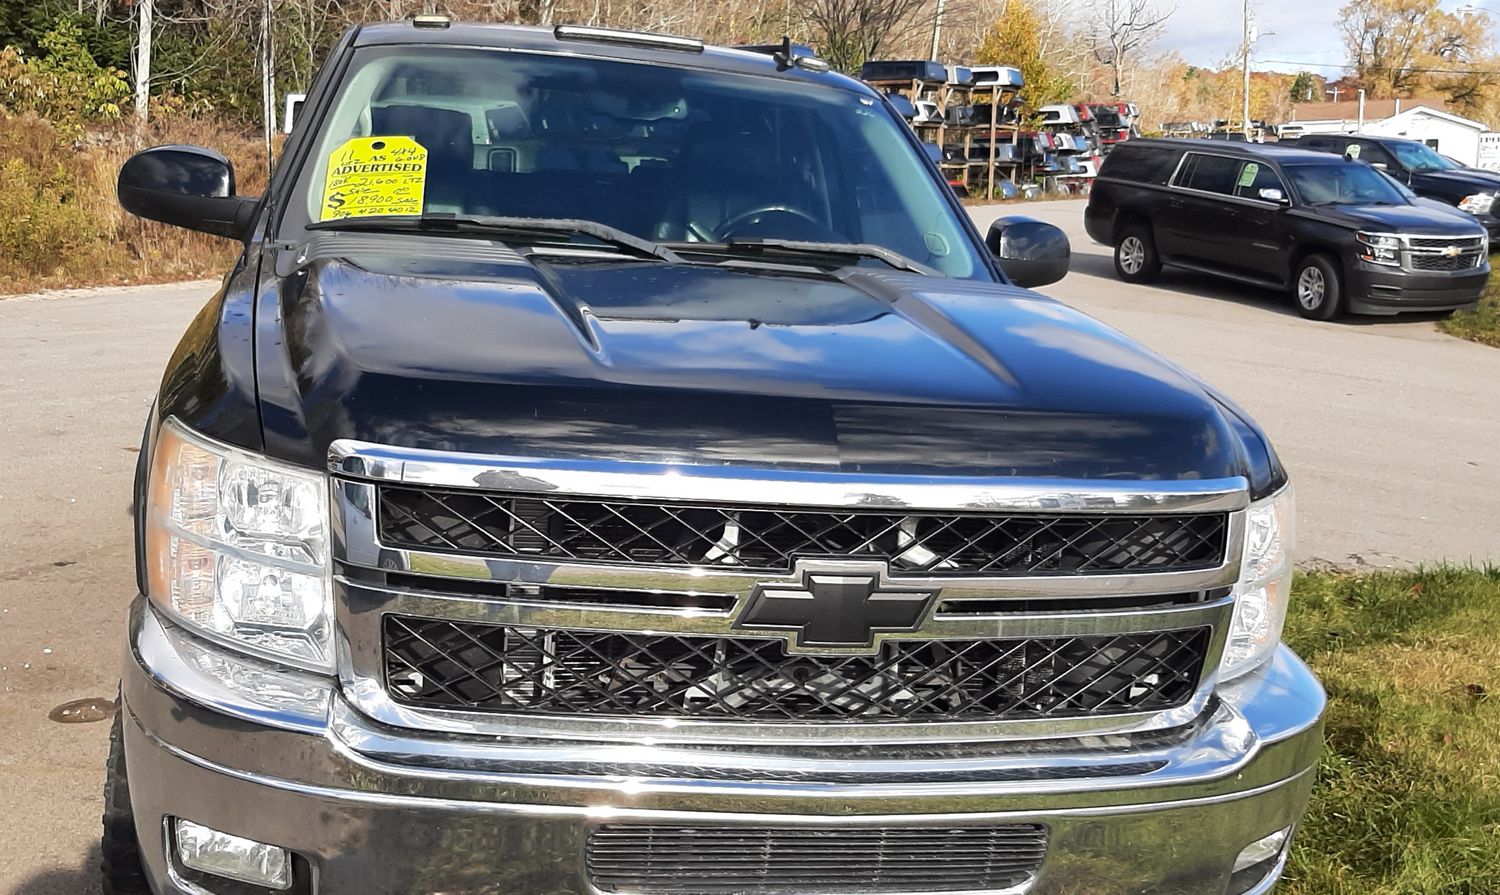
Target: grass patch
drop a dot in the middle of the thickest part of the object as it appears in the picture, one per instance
(1408, 798)
(1483, 323)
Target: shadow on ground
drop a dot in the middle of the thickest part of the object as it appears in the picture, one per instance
(82, 880)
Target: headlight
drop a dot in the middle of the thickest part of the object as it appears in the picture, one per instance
(1265, 584)
(1479, 203)
(237, 548)
(1380, 248)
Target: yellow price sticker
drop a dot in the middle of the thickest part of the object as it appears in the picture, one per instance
(370, 176)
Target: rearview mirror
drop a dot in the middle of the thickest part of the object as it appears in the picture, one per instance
(1273, 195)
(1031, 252)
(185, 186)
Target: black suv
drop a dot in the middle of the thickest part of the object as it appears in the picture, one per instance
(1419, 166)
(1339, 234)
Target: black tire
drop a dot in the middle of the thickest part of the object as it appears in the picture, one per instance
(124, 874)
(1317, 287)
(1136, 260)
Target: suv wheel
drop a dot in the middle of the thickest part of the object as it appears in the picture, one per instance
(1316, 286)
(1136, 260)
(121, 852)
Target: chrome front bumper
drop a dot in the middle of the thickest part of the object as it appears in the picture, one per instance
(280, 757)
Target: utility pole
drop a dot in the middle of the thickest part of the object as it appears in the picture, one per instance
(143, 64)
(1245, 64)
(937, 28)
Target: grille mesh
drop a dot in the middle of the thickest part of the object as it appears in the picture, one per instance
(665, 860)
(595, 530)
(465, 665)
(1440, 262)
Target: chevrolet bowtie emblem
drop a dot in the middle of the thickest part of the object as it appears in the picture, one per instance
(836, 607)
(1452, 251)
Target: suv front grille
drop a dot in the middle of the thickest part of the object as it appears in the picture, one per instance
(1446, 262)
(1443, 253)
(465, 665)
(734, 860)
(934, 543)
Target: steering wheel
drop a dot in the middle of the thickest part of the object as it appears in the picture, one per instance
(756, 216)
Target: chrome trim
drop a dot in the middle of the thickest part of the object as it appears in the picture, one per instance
(1465, 245)
(361, 603)
(768, 487)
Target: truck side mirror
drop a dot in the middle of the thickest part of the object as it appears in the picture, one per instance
(1031, 252)
(185, 186)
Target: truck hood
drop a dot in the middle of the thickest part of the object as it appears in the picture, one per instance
(1416, 218)
(465, 345)
(1467, 180)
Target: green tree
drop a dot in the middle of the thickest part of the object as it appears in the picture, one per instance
(62, 83)
(1021, 39)
(1304, 88)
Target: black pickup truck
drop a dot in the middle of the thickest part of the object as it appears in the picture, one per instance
(619, 465)
(1419, 166)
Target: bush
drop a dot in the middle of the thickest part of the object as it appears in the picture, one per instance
(61, 226)
(64, 84)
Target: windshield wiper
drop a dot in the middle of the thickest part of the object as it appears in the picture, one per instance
(495, 225)
(795, 248)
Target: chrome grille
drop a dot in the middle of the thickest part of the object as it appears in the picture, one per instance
(670, 860)
(935, 543)
(1446, 262)
(1443, 253)
(449, 664)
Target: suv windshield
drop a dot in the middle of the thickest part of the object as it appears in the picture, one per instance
(1343, 183)
(667, 154)
(1418, 158)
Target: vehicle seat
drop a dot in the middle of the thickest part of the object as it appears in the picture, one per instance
(448, 137)
(725, 170)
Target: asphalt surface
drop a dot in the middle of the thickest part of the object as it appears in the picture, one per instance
(1391, 431)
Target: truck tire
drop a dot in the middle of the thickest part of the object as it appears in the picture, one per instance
(124, 874)
(1136, 260)
(1316, 287)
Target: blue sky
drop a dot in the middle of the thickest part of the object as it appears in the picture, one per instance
(1207, 32)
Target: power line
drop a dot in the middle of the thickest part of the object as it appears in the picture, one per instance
(1398, 68)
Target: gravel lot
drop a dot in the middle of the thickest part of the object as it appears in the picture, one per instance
(1391, 431)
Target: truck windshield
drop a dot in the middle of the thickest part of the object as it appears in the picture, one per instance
(667, 154)
(1343, 183)
(1418, 158)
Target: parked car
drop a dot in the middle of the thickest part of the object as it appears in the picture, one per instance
(726, 519)
(1337, 234)
(1420, 167)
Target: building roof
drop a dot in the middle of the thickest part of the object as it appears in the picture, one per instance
(1375, 109)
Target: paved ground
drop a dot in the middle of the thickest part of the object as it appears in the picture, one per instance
(1390, 429)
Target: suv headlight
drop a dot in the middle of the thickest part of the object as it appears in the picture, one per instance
(237, 548)
(1479, 203)
(1265, 584)
(1380, 248)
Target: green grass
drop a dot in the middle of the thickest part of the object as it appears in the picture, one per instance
(1483, 323)
(1408, 798)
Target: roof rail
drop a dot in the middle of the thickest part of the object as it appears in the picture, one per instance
(633, 38)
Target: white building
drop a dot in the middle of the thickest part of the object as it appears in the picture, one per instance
(1413, 119)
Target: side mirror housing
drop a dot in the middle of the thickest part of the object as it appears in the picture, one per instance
(1031, 252)
(185, 186)
(1274, 195)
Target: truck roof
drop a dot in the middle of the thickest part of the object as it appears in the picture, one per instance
(1271, 151)
(634, 46)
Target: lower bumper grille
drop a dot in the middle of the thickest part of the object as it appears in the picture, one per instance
(464, 665)
(664, 860)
